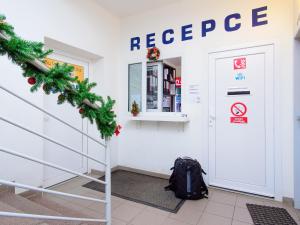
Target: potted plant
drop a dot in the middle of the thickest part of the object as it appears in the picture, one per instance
(135, 109)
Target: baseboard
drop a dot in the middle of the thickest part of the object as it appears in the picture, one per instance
(102, 173)
(144, 172)
(129, 169)
(288, 202)
(297, 205)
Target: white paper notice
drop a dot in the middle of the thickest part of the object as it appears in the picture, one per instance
(194, 93)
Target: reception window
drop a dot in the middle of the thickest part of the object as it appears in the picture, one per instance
(162, 86)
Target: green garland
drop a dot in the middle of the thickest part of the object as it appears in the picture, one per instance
(58, 80)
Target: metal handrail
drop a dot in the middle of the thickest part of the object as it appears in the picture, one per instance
(51, 140)
(43, 217)
(50, 165)
(107, 181)
(50, 114)
(43, 190)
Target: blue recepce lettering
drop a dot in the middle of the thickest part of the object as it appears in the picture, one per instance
(135, 43)
(208, 26)
(166, 39)
(150, 40)
(228, 19)
(186, 32)
(258, 15)
(232, 22)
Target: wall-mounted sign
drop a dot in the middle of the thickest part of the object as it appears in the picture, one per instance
(194, 93)
(240, 76)
(78, 70)
(178, 81)
(231, 23)
(240, 63)
(238, 110)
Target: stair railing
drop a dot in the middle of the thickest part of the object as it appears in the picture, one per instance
(106, 164)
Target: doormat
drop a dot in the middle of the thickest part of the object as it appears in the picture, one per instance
(265, 215)
(142, 189)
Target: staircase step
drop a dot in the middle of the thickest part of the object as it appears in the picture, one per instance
(65, 208)
(15, 221)
(30, 207)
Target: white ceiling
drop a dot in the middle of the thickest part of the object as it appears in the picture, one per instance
(124, 8)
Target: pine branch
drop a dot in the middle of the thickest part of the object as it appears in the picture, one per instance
(30, 57)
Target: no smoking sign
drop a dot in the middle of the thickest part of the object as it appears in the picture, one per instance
(239, 110)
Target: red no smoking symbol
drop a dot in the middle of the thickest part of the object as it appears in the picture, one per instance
(239, 109)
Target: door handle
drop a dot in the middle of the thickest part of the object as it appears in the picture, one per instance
(211, 120)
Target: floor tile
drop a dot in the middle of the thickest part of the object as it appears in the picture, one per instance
(220, 209)
(224, 197)
(169, 221)
(157, 211)
(198, 205)
(210, 219)
(242, 200)
(126, 212)
(235, 222)
(242, 215)
(148, 217)
(135, 204)
(116, 202)
(118, 222)
(94, 194)
(185, 214)
(97, 207)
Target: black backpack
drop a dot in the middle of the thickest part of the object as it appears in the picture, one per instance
(186, 180)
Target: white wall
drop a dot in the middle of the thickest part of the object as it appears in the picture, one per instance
(154, 146)
(82, 24)
(297, 109)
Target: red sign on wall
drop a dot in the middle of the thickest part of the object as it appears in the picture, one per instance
(238, 110)
(240, 63)
(238, 119)
(178, 81)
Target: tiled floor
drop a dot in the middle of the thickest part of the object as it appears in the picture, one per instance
(221, 208)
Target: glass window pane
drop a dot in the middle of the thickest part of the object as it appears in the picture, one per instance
(152, 88)
(135, 85)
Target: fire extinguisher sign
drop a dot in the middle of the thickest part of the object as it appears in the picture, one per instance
(239, 111)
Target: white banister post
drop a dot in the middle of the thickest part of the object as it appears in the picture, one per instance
(108, 182)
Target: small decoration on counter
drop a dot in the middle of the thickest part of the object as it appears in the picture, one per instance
(153, 54)
(31, 80)
(135, 109)
(117, 131)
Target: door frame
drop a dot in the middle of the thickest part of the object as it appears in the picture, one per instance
(278, 170)
(84, 122)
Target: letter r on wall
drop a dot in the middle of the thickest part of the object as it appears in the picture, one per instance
(135, 43)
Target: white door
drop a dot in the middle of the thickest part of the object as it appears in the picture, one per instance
(241, 149)
(64, 134)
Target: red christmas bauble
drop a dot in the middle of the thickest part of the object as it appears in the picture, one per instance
(31, 80)
(81, 111)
